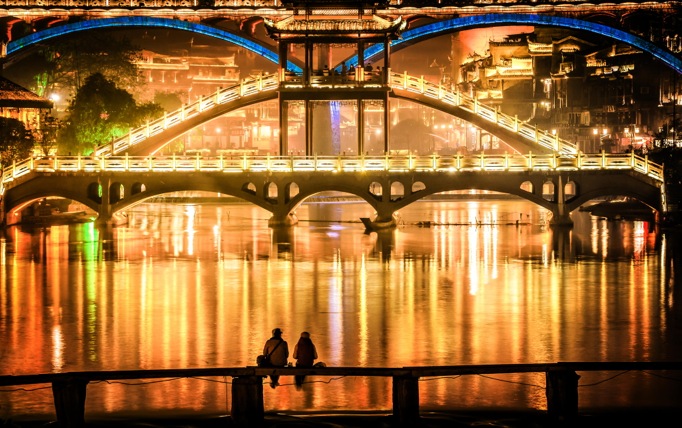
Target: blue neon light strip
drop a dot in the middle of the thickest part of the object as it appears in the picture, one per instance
(145, 21)
(457, 24)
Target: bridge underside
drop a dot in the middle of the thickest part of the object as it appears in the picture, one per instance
(281, 193)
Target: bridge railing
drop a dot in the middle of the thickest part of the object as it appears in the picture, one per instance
(394, 163)
(243, 89)
(399, 81)
(458, 99)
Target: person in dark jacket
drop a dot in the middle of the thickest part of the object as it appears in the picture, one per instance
(278, 351)
(305, 355)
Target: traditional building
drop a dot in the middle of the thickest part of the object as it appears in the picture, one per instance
(19, 103)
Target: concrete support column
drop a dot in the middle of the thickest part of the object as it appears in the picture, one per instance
(562, 395)
(387, 124)
(308, 128)
(406, 400)
(247, 401)
(560, 215)
(69, 402)
(361, 126)
(105, 204)
(283, 127)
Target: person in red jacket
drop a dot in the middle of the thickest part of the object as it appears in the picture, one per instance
(305, 355)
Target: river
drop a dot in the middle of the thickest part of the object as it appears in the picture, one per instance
(478, 281)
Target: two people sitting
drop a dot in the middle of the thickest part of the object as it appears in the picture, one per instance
(277, 350)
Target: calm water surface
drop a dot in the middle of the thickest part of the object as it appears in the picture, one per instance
(203, 285)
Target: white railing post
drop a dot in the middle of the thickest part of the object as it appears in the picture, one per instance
(197, 164)
(54, 162)
(579, 160)
(150, 165)
(506, 161)
(481, 161)
(173, 162)
(79, 165)
(530, 160)
(165, 119)
(646, 164)
(222, 165)
(603, 159)
(556, 142)
(421, 84)
(516, 123)
(405, 80)
(127, 162)
(14, 169)
(458, 161)
(31, 164)
(147, 131)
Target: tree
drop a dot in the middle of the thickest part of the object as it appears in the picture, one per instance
(100, 113)
(66, 65)
(16, 142)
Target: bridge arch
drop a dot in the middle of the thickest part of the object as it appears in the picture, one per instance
(409, 37)
(49, 33)
(438, 28)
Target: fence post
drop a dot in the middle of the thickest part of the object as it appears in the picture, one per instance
(247, 401)
(69, 402)
(562, 394)
(406, 400)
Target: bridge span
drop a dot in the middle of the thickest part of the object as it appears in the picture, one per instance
(26, 23)
(280, 184)
(154, 135)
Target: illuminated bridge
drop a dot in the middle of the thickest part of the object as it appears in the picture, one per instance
(280, 184)
(520, 136)
(302, 35)
(29, 22)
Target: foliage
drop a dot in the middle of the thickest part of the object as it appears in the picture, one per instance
(16, 142)
(46, 136)
(66, 65)
(100, 113)
(170, 101)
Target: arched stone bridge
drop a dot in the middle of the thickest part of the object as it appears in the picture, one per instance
(280, 184)
(155, 135)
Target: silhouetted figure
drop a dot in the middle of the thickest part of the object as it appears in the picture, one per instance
(278, 351)
(305, 355)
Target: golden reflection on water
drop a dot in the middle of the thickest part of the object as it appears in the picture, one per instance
(202, 286)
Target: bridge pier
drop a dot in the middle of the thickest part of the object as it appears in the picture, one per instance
(280, 220)
(561, 215)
